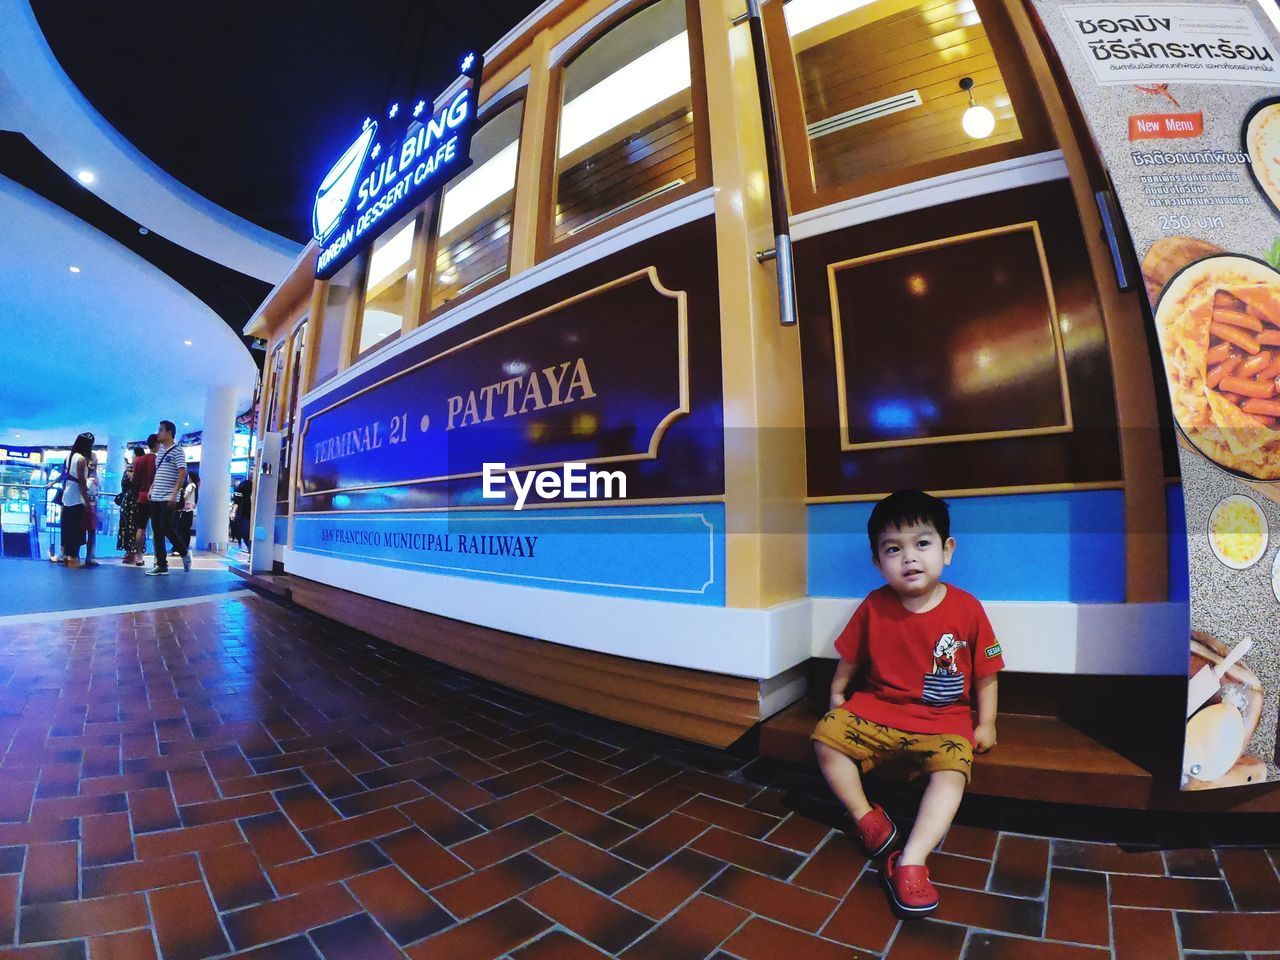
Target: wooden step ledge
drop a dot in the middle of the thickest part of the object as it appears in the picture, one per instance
(277, 584)
(1043, 758)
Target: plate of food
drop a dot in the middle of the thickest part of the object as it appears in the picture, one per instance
(1237, 532)
(1218, 322)
(1167, 256)
(1261, 135)
(1220, 729)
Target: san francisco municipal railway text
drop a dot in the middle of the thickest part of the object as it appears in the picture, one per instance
(477, 544)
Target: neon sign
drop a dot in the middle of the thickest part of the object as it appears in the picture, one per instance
(378, 178)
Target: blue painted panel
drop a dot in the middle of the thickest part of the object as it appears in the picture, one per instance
(672, 553)
(1039, 546)
(1179, 573)
(282, 530)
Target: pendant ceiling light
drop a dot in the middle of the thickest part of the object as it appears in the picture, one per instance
(978, 121)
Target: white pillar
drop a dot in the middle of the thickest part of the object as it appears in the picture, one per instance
(113, 469)
(214, 510)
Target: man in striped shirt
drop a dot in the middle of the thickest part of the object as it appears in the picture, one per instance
(170, 478)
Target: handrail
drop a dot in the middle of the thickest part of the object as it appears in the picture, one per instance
(51, 486)
(779, 208)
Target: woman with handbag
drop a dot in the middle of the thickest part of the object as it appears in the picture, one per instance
(74, 498)
(127, 500)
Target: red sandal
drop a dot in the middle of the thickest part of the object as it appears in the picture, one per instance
(909, 888)
(875, 832)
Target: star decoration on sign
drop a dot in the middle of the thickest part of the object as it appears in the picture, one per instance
(418, 107)
(395, 108)
(377, 149)
(467, 61)
(366, 124)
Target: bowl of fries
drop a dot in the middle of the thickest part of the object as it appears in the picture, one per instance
(1218, 322)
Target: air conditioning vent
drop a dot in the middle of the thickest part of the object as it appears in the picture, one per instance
(869, 111)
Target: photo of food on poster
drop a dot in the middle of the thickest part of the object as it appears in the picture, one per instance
(1183, 101)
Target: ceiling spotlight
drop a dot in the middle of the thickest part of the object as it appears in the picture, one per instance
(186, 343)
(186, 423)
(978, 121)
(73, 268)
(143, 230)
(86, 177)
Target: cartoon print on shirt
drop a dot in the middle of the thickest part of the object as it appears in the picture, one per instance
(944, 653)
(944, 683)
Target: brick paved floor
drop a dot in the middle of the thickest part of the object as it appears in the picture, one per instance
(242, 776)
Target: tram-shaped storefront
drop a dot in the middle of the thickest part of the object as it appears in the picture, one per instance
(592, 289)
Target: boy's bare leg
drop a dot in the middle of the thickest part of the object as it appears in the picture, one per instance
(938, 807)
(842, 776)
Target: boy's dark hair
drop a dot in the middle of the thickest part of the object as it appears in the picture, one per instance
(138, 451)
(904, 508)
(153, 440)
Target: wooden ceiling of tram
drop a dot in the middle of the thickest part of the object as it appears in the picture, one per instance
(926, 46)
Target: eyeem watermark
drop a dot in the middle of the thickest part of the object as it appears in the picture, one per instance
(573, 481)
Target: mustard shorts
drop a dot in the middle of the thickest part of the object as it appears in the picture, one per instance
(873, 744)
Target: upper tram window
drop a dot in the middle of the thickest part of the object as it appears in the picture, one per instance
(340, 298)
(289, 403)
(297, 358)
(627, 129)
(473, 245)
(272, 383)
(880, 92)
(389, 284)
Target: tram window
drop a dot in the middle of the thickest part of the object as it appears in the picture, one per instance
(880, 84)
(275, 377)
(297, 356)
(388, 285)
(474, 242)
(338, 301)
(626, 121)
(298, 352)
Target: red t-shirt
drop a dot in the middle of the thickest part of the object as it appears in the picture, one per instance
(919, 667)
(144, 471)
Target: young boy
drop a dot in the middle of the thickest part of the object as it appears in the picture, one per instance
(928, 653)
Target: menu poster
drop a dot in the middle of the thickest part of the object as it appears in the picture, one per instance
(1184, 102)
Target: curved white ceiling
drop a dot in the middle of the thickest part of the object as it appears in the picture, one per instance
(38, 99)
(102, 349)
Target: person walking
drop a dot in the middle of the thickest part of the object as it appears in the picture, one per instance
(241, 509)
(144, 472)
(187, 518)
(75, 497)
(126, 538)
(91, 514)
(166, 488)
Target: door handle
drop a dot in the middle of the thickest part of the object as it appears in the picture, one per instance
(1112, 226)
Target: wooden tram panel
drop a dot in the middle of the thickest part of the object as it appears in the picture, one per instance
(709, 708)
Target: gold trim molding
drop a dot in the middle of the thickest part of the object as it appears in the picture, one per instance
(1031, 226)
(979, 491)
(682, 409)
